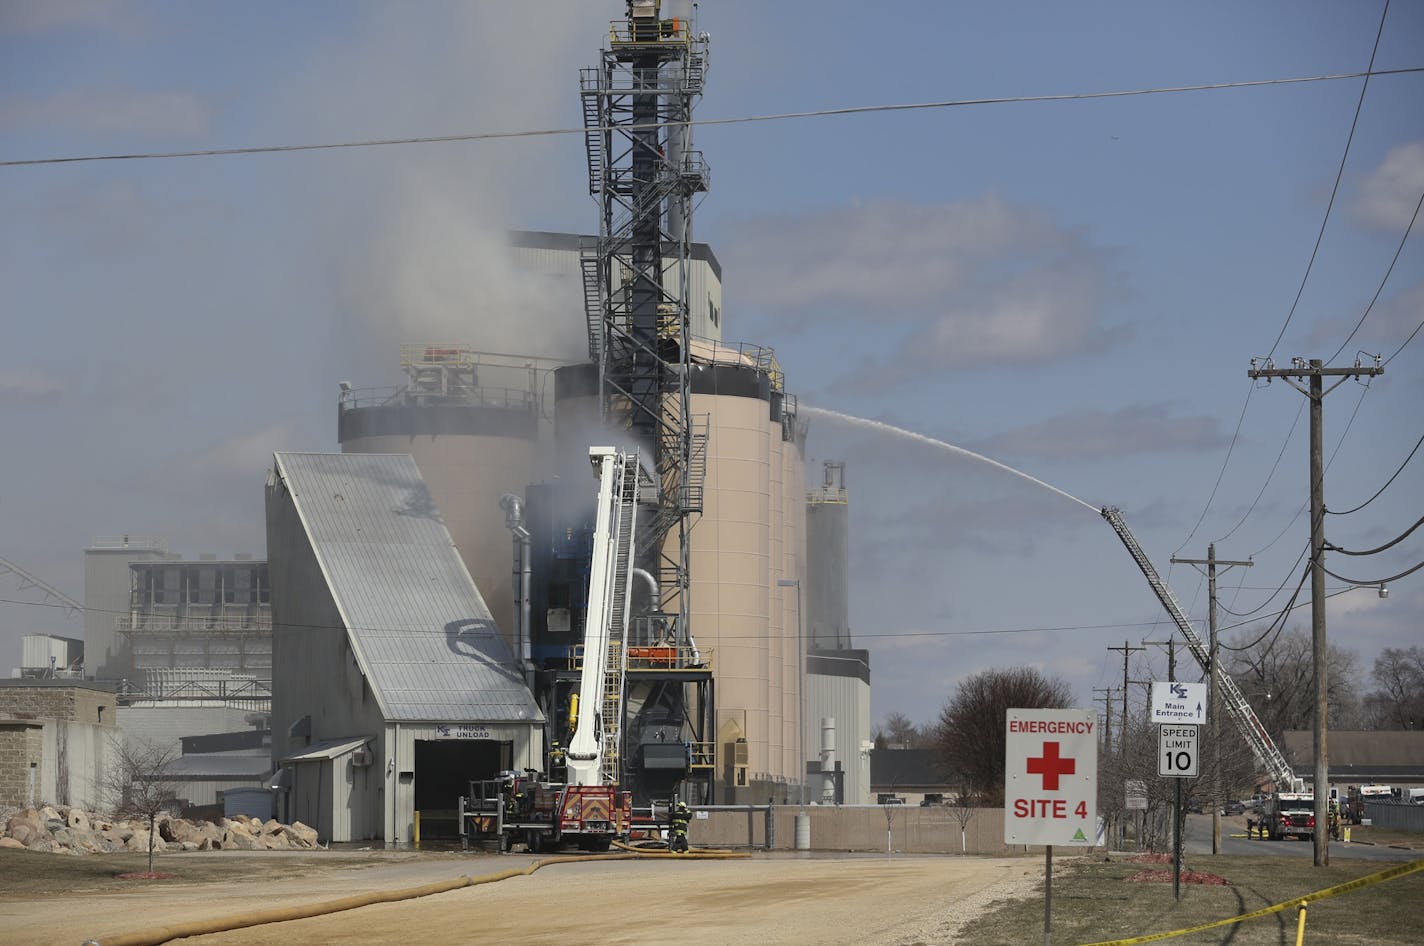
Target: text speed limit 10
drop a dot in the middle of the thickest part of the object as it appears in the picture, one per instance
(1177, 754)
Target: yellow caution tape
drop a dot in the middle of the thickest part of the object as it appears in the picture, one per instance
(1399, 870)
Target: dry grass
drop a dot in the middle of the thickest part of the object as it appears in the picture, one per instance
(1093, 901)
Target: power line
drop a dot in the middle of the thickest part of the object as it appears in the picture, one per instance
(1339, 173)
(1269, 476)
(1331, 512)
(405, 630)
(1366, 314)
(1235, 435)
(779, 116)
(1404, 343)
(1375, 581)
(1375, 551)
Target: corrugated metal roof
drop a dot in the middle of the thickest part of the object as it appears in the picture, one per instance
(222, 765)
(417, 624)
(328, 749)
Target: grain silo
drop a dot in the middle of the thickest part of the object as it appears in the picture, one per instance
(471, 420)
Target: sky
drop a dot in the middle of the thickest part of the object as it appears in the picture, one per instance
(1075, 288)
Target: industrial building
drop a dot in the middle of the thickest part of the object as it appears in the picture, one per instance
(387, 664)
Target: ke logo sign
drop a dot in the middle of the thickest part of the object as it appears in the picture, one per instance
(1050, 776)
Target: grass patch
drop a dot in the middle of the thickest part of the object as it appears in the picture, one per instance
(1093, 901)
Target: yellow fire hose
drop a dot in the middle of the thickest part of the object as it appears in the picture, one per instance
(162, 934)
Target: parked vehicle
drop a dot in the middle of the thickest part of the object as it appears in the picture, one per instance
(1234, 808)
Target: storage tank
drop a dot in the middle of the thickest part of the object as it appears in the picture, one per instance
(471, 421)
(827, 562)
(791, 430)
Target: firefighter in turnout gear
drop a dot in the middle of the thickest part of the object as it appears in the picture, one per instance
(677, 837)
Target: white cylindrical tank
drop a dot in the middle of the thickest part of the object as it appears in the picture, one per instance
(828, 760)
(730, 556)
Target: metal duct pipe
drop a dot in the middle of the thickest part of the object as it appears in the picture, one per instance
(513, 508)
(828, 760)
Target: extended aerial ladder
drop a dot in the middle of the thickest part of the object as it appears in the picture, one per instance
(589, 808)
(1262, 746)
(594, 751)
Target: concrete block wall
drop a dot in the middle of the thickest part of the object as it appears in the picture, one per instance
(912, 829)
(21, 755)
(76, 704)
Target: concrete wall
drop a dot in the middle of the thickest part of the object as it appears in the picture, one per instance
(912, 830)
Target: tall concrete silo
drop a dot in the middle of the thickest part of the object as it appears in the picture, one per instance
(471, 420)
(827, 561)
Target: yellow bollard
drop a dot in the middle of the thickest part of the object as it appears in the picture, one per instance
(1300, 927)
(1347, 834)
(415, 835)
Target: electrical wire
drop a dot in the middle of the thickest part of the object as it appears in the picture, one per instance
(779, 116)
(1331, 512)
(1272, 596)
(1339, 173)
(1373, 581)
(395, 631)
(1375, 551)
(1274, 626)
(1235, 435)
(1403, 344)
(1303, 604)
(1269, 476)
(1366, 314)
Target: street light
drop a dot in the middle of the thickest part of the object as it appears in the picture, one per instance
(800, 687)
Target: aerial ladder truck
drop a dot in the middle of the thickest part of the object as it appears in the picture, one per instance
(586, 807)
(1262, 746)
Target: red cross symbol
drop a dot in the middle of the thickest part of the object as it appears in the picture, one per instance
(1050, 766)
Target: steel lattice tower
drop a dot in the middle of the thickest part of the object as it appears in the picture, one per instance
(637, 105)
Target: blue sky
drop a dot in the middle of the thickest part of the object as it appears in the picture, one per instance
(1075, 288)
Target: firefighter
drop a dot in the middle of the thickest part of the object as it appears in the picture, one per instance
(558, 764)
(680, 816)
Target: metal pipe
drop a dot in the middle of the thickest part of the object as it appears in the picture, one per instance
(513, 508)
(828, 760)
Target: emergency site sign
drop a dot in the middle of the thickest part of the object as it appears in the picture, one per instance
(1050, 776)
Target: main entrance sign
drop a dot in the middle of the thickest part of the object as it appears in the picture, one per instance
(1050, 776)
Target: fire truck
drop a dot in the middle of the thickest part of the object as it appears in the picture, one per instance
(585, 807)
(1292, 814)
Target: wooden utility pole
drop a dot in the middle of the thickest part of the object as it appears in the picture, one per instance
(1214, 669)
(1314, 374)
(1126, 651)
(1106, 697)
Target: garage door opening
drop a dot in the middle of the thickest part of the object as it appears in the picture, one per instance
(444, 769)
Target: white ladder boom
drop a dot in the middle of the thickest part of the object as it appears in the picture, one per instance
(1240, 711)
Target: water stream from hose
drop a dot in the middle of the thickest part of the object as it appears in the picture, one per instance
(940, 444)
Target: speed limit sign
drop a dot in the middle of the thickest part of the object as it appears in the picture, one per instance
(1177, 750)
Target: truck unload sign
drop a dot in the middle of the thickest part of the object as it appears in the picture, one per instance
(1050, 776)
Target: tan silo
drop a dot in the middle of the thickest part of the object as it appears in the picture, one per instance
(471, 422)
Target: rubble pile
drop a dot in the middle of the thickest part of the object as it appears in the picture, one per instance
(59, 829)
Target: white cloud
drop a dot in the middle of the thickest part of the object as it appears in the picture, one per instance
(111, 109)
(1389, 194)
(980, 280)
(28, 386)
(1146, 428)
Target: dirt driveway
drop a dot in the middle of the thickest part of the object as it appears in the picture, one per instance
(756, 902)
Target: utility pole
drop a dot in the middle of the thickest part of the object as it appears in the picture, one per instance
(1107, 695)
(1314, 374)
(1215, 693)
(1171, 645)
(1127, 652)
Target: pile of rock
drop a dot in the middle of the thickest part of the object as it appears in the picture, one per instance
(63, 830)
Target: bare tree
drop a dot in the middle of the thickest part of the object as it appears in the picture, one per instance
(896, 730)
(968, 740)
(963, 813)
(1276, 674)
(1399, 701)
(140, 783)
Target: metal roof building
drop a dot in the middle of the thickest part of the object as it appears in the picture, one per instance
(383, 649)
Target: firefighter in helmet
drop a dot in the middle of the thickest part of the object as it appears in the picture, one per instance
(680, 816)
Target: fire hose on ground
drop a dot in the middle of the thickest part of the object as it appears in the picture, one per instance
(163, 934)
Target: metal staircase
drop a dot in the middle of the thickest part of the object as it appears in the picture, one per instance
(1240, 711)
(594, 289)
(594, 137)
